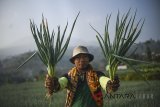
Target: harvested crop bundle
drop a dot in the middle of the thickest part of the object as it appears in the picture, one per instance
(127, 31)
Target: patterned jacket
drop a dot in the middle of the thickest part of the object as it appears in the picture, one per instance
(92, 78)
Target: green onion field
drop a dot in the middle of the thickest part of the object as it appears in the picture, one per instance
(32, 94)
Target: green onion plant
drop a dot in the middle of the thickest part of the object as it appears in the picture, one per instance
(127, 30)
(51, 47)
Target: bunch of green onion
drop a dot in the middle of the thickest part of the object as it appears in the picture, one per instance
(51, 47)
(126, 33)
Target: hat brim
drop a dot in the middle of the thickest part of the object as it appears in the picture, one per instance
(91, 57)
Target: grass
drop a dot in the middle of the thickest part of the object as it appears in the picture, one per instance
(32, 94)
(143, 95)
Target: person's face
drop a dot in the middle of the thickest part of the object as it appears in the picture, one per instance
(81, 61)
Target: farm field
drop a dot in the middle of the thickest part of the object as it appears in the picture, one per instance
(32, 94)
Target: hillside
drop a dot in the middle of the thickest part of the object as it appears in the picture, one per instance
(35, 67)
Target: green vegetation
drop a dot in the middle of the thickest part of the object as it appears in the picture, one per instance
(127, 30)
(149, 72)
(140, 90)
(32, 94)
(51, 47)
(29, 94)
(36, 69)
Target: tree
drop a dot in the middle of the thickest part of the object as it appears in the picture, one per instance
(148, 50)
(1, 66)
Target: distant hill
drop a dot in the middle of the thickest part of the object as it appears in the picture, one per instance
(35, 67)
(152, 44)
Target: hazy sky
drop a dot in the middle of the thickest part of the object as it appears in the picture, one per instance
(16, 37)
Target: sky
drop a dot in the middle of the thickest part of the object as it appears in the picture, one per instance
(16, 37)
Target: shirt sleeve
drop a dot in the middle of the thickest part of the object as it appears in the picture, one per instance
(63, 81)
(103, 82)
(103, 79)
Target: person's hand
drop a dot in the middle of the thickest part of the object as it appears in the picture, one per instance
(52, 84)
(112, 86)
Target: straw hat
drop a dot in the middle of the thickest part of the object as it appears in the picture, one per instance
(81, 50)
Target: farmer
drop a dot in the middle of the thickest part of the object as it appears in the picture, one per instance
(83, 84)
